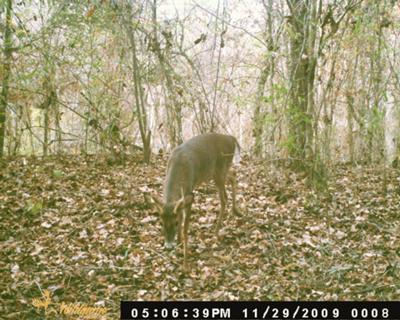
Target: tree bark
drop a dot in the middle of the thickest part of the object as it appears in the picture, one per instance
(6, 75)
(302, 73)
(174, 110)
(145, 133)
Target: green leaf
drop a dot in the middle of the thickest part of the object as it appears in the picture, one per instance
(34, 208)
(58, 174)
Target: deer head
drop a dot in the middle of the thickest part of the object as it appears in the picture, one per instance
(171, 215)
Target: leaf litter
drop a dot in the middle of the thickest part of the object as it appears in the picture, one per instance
(82, 229)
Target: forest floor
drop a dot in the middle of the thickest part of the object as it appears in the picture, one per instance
(81, 228)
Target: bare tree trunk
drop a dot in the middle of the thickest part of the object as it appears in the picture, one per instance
(302, 73)
(214, 117)
(258, 116)
(379, 89)
(350, 126)
(266, 72)
(174, 109)
(145, 133)
(6, 74)
(351, 110)
(201, 104)
(48, 105)
(57, 117)
(14, 148)
(46, 131)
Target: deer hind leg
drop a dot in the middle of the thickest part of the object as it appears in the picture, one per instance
(232, 181)
(220, 182)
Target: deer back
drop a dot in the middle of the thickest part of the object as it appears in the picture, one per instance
(198, 160)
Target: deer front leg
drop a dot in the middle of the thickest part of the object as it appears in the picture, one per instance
(180, 228)
(186, 220)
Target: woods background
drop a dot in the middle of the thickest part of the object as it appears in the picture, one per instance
(94, 96)
(312, 81)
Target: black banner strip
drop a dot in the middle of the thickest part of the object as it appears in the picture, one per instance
(260, 310)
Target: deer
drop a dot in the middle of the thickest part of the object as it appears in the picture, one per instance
(202, 158)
